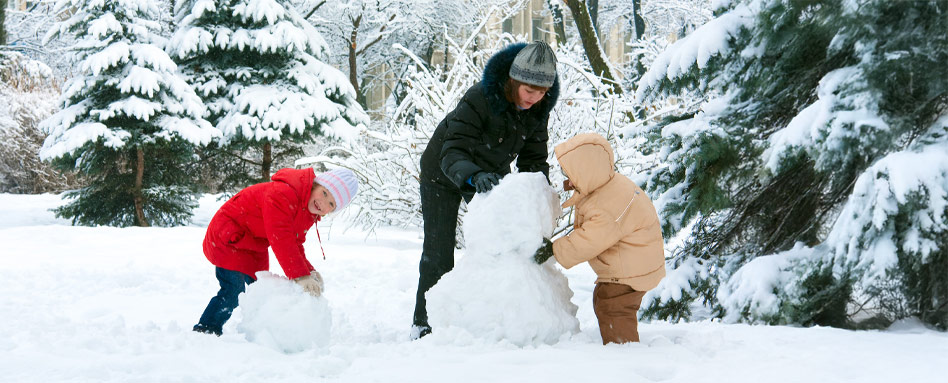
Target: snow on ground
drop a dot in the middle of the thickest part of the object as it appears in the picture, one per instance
(83, 304)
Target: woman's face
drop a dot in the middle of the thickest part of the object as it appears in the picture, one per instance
(321, 202)
(528, 95)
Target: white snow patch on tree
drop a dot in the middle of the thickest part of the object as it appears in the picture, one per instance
(864, 236)
(696, 49)
(846, 111)
(759, 287)
(496, 291)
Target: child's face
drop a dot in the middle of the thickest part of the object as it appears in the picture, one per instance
(321, 202)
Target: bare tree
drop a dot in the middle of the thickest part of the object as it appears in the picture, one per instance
(3, 18)
(559, 26)
(591, 44)
(28, 95)
(360, 33)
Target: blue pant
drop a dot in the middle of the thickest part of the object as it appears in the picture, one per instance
(222, 305)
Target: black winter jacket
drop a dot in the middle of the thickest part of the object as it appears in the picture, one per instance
(485, 132)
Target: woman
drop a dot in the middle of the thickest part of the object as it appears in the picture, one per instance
(502, 118)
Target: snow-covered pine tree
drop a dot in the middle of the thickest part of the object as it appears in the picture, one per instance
(129, 122)
(258, 66)
(811, 184)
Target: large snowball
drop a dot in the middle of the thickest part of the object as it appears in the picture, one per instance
(496, 291)
(279, 314)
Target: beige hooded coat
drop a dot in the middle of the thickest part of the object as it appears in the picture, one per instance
(616, 228)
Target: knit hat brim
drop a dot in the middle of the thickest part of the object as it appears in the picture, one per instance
(535, 64)
(341, 183)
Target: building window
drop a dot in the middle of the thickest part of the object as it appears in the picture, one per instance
(538, 32)
(508, 26)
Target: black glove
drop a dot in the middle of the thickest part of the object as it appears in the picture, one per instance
(484, 181)
(544, 252)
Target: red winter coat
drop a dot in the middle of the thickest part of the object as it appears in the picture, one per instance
(270, 214)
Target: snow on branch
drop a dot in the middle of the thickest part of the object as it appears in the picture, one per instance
(696, 49)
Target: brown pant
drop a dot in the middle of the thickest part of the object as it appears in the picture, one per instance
(617, 305)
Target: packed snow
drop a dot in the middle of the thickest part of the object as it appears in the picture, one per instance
(276, 313)
(496, 291)
(102, 304)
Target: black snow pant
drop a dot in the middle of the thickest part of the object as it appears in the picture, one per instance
(439, 209)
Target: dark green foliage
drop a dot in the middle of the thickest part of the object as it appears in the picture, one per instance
(775, 215)
(824, 303)
(673, 311)
(923, 280)
(881, 68)
(927, 288)
(911, 71)
(168, 185)
(233, 167)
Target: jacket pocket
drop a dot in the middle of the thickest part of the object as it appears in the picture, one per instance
(230, 232)
(239, 237)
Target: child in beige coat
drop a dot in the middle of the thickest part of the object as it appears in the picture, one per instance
(616, 230)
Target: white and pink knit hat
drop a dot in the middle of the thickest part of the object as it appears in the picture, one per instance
(341, 183)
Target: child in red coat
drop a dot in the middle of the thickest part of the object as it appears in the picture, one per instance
(275, 214)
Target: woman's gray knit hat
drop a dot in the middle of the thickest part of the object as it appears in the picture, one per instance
(535, 64)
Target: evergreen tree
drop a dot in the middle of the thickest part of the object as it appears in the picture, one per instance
(258, 66)
(129, 122)
(813, 180)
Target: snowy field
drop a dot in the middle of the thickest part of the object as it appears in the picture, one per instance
(81, 304)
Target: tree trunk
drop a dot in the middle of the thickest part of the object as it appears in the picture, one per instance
(558, 25)
(638, 25)
(637, 19)
(428, 54)
(591, 44)
(3, 23)
(353, 66)
(267, 161)
(137, 191)
(593, 7)
(353, 54)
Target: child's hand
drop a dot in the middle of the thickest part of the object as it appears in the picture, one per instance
(544, 252)
(312, 283)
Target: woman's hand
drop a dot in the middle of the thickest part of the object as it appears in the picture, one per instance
(484, 181)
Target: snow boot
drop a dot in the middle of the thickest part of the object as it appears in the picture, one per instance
(207, 330)
(418, 331)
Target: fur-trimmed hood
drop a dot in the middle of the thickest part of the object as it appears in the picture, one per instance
(496, 73)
